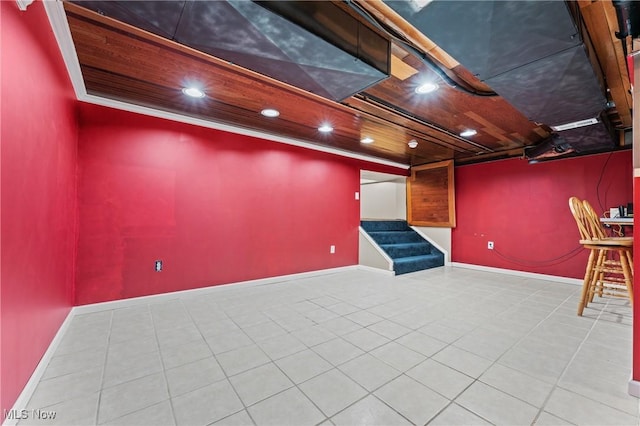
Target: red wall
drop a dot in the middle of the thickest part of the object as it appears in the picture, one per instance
(215, 207)
(636, 285)
(38, 167)
(523, 208)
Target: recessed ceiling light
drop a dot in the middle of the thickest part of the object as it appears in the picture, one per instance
(468, 133)
(413, 143)
(194, 92)
(270, 112)
(366, 139)
(325, 128)
(426, 88)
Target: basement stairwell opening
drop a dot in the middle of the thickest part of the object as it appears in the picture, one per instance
(386, 240)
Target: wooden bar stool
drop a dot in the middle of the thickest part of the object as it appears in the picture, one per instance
(609, 270)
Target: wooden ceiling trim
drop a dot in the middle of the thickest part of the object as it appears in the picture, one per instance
(115, 26)
(390, 18)
(117, 60)
(427, 130)
(106, 75)
(400, 69)
(429, 147)
(543, 133)
(101, 83)
(622, 69)
(430, 129)
(447, 105)
(601, 20)
(491, 129)
(515, 152)
(518, 137)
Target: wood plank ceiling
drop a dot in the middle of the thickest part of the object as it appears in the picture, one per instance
(122, 62)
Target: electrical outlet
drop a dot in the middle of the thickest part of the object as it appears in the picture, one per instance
(332, 249)
(490, 245)
(357, 195)
(158, 265)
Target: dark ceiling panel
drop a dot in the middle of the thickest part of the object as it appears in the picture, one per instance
(558, 89)
(220, 26)
(528, 52)
(492, 37)
(219, 43)
(333, 24)
(158, 17)
(593, 138)
(258, 39)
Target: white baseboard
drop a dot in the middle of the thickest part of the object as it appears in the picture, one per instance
(555, 278)
(634, 388)
(27, 391)
(378, 270)
(30, 387)
(155, 298)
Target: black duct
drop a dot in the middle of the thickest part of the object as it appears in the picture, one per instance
(553, 146)
(592, 138)
(628, 14)
(530, 52)
(313, 45)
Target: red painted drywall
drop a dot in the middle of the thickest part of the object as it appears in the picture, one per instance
(523, 208)
(636, 286)
(215, 207)
(38, 167)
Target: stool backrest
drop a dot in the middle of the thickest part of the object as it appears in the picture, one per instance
(582, 218)
(597, 230)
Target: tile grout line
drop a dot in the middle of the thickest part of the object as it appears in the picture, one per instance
(494, 362)
(566, 367)
(329, 291)
(104, 368)
(221, 368)
(372, 392)
(334, 367)
(157, 344)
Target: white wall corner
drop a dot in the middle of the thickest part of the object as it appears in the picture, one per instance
(23, 4)
(534, 275)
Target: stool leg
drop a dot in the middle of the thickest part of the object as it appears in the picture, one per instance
(586, 284)
(628, 273)
(598, 276)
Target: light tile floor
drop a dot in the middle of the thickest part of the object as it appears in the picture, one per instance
(448, 346)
